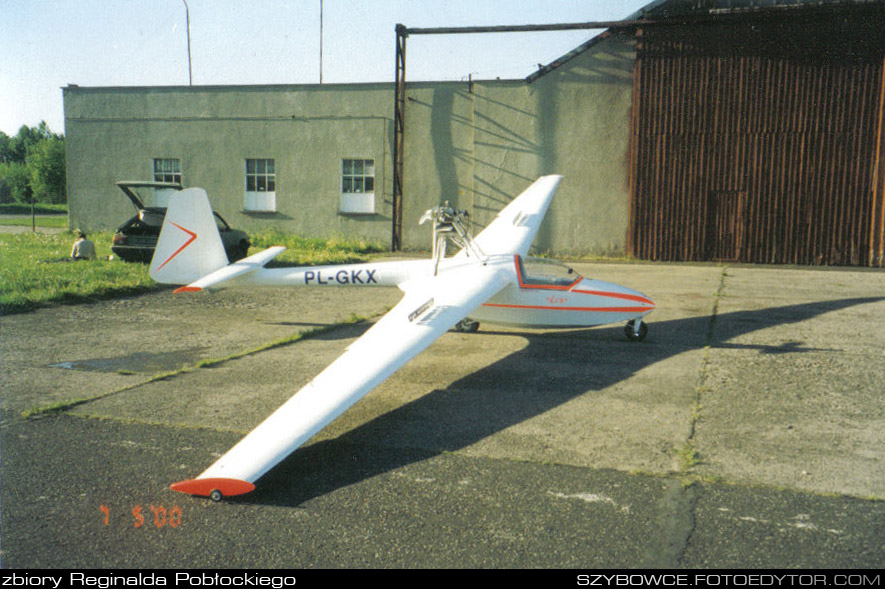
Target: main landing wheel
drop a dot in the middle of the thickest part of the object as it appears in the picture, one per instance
(633, 334)
(215, 495)
(467, 326)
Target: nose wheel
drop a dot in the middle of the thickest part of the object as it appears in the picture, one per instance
(636, 330)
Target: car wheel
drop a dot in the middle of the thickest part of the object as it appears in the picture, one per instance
(241, 251)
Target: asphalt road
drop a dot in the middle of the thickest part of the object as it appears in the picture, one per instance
(746, 431)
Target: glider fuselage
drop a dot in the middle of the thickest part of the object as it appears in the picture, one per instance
(529, 301)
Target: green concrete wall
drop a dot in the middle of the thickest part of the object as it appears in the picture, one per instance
(476, 145)
(115, 133)
(480, 145)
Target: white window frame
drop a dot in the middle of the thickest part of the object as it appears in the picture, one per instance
(357, 186)
(259, 185)
(167, 169)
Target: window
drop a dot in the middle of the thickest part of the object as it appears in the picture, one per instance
(544, 273)
(167, 170)
(358, 186)
(261, 186)
(357, 176)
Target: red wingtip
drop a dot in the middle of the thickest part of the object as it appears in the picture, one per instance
(187, 289)
(203, 487)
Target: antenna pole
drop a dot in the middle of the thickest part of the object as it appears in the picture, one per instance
(187, 16)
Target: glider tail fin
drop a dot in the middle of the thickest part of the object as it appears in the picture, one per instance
(189, 246)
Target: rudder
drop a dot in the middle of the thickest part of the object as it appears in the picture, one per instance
(189, 246)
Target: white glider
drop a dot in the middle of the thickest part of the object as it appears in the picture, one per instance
(485, 281)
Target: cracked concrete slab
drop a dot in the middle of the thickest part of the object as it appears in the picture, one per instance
(795, 372)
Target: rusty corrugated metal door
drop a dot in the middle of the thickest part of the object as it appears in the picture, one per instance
(753, 143)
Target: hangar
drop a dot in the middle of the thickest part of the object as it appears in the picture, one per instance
(699, 130)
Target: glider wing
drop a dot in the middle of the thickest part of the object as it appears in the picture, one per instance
(430, 307)
(513, 229)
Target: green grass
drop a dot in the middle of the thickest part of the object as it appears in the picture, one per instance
(31, 274)
(303, 251)
(58, 407)
(688, 457)
(58, 221)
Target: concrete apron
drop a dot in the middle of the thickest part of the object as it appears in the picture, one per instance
(758, 376)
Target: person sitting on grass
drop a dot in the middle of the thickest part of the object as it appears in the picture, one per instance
(83, 248)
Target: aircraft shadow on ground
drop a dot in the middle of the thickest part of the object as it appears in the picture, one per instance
(525, 384)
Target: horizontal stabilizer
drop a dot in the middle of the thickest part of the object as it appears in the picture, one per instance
(234, 270)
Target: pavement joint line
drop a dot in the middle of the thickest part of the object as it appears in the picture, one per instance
(64, 406)
(675, 523)
(676, 519)
(688, 456)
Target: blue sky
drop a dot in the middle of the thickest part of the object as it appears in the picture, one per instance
(48, 44)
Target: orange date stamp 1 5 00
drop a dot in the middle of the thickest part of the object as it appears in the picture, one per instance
(157, 515)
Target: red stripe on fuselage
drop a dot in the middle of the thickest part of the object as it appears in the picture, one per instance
(590, 309)
(601, 293)
(617, 295)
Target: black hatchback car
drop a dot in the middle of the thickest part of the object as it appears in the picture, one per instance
(136, 239)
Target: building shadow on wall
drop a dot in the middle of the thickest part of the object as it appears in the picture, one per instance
(554, 368)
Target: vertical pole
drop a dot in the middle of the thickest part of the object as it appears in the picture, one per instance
(187, 16)
(396, 242)
(633, 220)
(321, 41)
(877, 222)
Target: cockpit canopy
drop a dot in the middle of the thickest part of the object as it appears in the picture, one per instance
(544, 272)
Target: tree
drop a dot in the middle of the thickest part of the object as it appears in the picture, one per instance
(32, 165)
(46, 164)
(7, 148)
(24, 141)
(16, 182)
